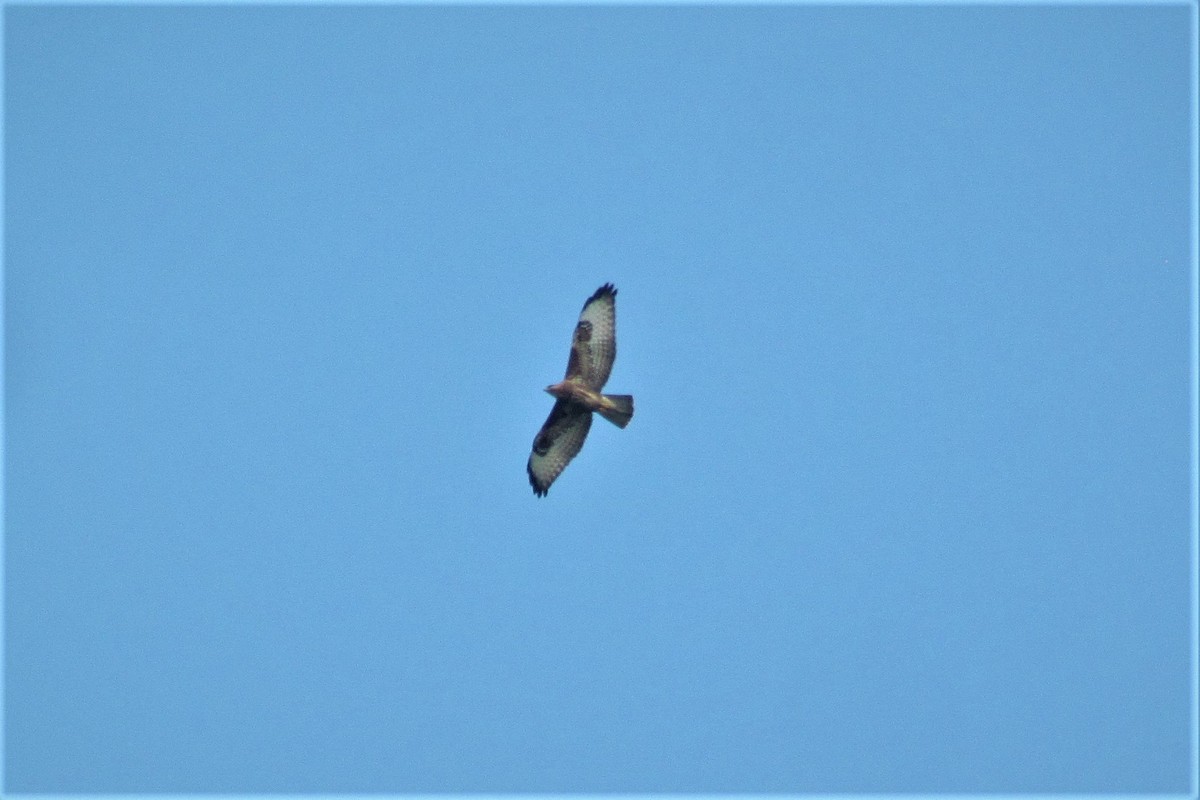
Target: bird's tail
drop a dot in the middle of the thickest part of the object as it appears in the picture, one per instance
(619, 409)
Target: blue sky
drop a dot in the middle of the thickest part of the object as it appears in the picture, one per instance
(904, 302)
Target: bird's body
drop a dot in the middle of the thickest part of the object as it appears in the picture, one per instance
(593, 350)
(612, 407)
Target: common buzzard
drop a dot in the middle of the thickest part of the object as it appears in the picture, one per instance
(593, 349)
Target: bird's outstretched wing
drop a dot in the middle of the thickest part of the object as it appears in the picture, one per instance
(594, 345)
(559, 440)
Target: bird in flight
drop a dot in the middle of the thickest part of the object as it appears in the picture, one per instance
(593, 349)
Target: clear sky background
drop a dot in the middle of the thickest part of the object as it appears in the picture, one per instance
(903, 301)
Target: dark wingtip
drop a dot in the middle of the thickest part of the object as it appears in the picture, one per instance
(607, 290)
(540, 491)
